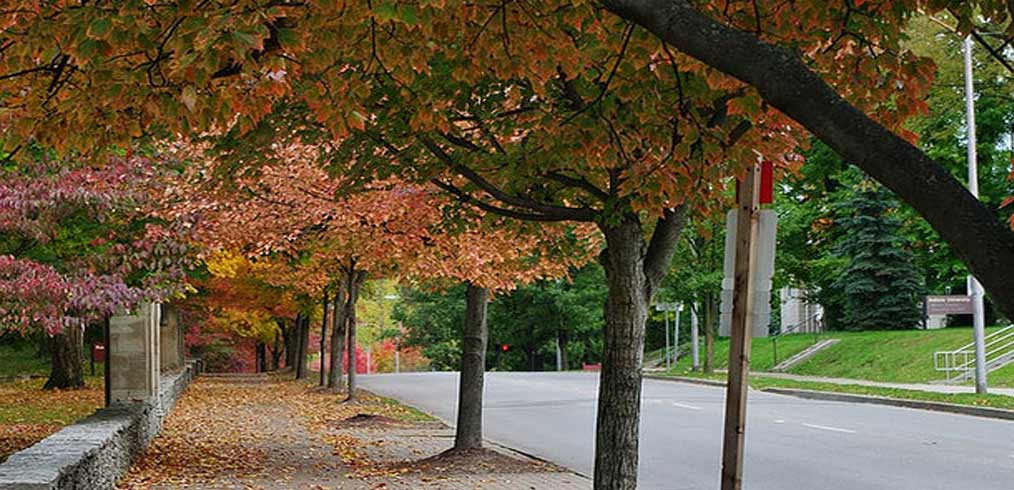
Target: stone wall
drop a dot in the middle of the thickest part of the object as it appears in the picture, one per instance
(95, 452)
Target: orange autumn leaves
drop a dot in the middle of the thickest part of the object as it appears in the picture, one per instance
(131, 69)
(302, 225)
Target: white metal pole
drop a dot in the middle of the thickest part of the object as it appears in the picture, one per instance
(974, 288)
(695, 351)
(676, 335)
(397, 359)
(665, 315)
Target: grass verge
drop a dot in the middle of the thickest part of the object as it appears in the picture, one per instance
(29, 414)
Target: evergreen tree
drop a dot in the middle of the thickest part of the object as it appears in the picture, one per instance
(881, 284)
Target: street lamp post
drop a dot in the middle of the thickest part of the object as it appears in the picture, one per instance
(695, 354)
(974, 288)
(665, 315)
(676, 335)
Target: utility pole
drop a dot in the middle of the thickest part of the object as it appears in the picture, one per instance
(748, 203)
(974, 288)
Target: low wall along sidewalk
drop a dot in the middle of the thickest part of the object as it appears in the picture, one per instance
(93, 453)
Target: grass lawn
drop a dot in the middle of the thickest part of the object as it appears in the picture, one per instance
(897, 356)
(27, 412)
(761, 352)
(19, 359)
(904, 356)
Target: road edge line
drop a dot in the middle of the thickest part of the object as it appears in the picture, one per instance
(985, 412)
(684, 379)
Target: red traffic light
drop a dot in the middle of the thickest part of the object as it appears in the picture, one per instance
(505, 347)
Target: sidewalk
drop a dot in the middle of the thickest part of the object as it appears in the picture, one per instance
(935, 388)
(262, 433)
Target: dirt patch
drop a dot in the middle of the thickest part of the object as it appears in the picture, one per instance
(368, 420)
(472, 461)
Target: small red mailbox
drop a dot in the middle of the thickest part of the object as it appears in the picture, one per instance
(99, 353)
(767, 183)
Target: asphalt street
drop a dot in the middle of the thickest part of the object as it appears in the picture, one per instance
(792, 443)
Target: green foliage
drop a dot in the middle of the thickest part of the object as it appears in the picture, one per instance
(813, 203)
(880, 285)
(529, 320)
(433, 321)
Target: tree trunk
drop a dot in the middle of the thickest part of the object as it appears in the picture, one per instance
(355, 280)
(305, 347)
(468, 434)
(262, 357)
(302, 334)
(564, 359)
(289, 339)
(709, 333)
(323, 341)
(338, 332)
(972, 229)
(67, 354)
(626, 310)
(276, 352)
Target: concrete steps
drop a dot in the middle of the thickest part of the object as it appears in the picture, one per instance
(804, 355)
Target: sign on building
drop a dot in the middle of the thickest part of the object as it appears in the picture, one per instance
(949, 305)
(767, 227)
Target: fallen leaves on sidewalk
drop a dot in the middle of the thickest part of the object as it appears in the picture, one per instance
(217, 429)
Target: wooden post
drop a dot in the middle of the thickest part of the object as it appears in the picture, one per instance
(747, 194)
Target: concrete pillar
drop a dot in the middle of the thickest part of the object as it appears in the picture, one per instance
(169, 333)
(134, 355)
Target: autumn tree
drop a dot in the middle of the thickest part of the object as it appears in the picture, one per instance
(490, 259)
(790, 67)
(79, 244)
(575, 134)
(552, 112)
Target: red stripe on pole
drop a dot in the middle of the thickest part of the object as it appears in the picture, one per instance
(767, 183)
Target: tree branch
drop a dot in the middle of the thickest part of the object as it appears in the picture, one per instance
(787, 83)
(663, 244)
(556, 213)
(580, 183)
(466, 198)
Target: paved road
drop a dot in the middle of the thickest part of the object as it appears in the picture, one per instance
(792, 444)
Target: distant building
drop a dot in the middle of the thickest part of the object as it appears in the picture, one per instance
(798, 314)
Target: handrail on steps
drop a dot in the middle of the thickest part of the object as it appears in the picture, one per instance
(815, 319)
(948, 361)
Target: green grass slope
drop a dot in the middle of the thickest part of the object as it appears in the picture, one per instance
(904, 356)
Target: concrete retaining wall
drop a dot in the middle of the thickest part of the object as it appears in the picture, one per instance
(94, 453)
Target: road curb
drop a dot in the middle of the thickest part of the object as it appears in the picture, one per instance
(514, 452)
(683, 379)
(993, 413)
(834, 396)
